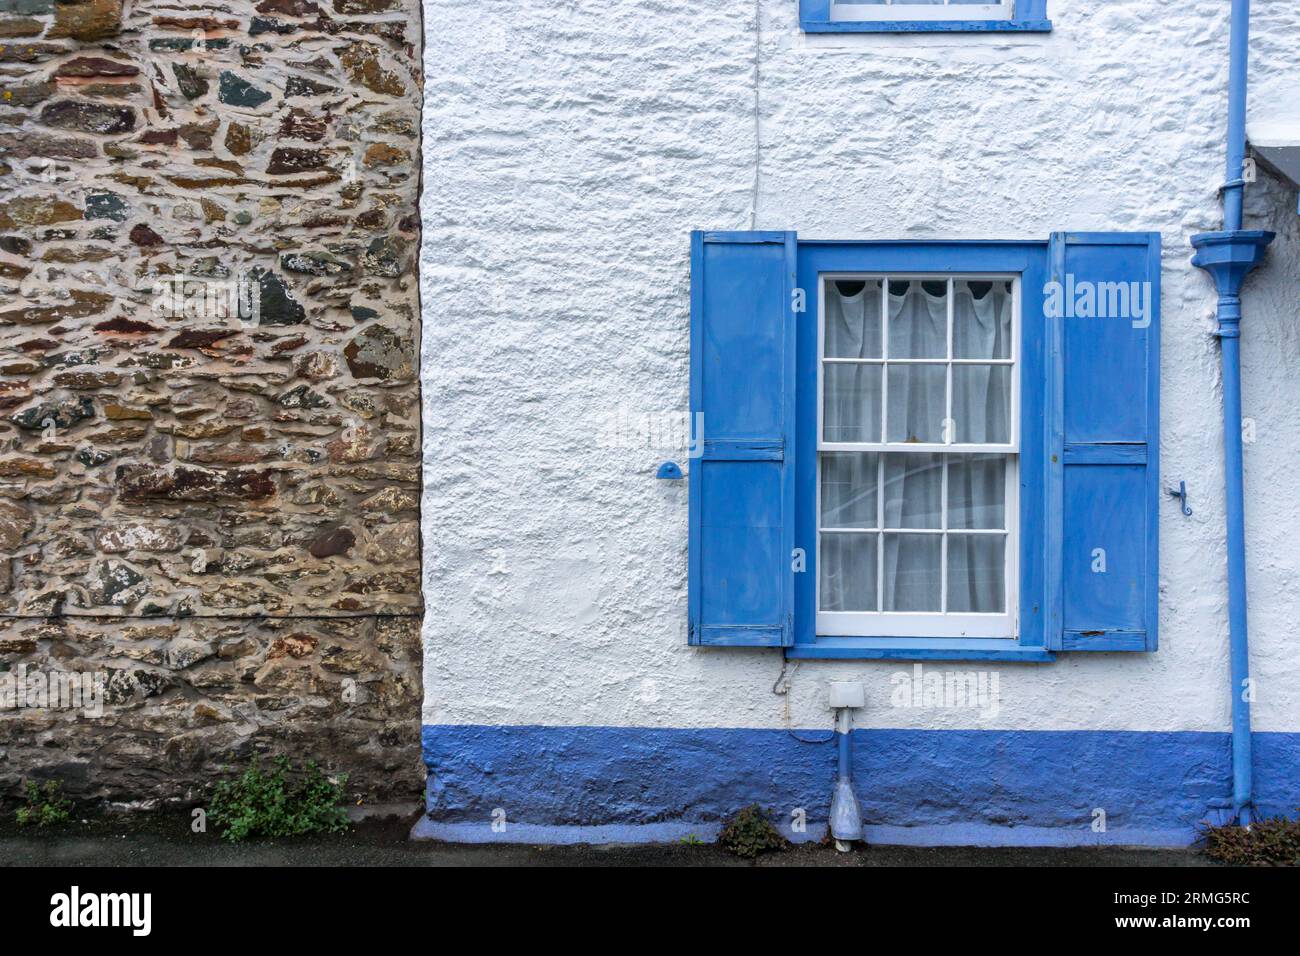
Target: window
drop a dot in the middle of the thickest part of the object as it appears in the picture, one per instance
(917, 455)
(925, 450)
(847, 10)
(846, 16)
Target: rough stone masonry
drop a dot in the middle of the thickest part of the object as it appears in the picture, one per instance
(209, 419)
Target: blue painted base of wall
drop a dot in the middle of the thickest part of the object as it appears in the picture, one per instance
(983, 788)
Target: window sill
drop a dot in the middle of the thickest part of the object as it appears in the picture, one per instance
(926, 26)
(919, 649)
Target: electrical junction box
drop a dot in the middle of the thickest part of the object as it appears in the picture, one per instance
(847, 693)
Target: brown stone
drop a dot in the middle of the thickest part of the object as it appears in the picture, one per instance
(142, 235)
(290, 8)
(239, 139)
(200, 338)
(212, 210)
(391, 501)
(363, 7)
(13, 271)
(37, 211)
(30, 52)
(183, 483)
(12, 27)
(119, 413)
(209, 182)
(25, 96)
(135, 536)
(78, 305)
(25, 468)
(85, 381)
(92, 66)
(291, 159)
(332, 542)
(361, 60)
(92, 20)
(199, 135)
(31, 144)
(89, 117)
(381, 154)
(396, 542)
(206, 24)
(298, 123)
(125, 326)
(297, 645)
(379, 352)
(157, 137)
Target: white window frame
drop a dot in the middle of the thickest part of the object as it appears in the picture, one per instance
(882, 623)
(910, 10)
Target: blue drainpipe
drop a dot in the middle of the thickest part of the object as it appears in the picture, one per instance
(1229, 256)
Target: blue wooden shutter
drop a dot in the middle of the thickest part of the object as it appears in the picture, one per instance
(742, 487)
(1104, 423)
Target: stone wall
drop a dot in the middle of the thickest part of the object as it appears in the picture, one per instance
(209, 417)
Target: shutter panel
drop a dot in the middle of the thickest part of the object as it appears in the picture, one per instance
(1103, 313)
(742, 487)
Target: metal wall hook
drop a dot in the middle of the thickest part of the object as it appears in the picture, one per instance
(1181, 494)
(670, 471)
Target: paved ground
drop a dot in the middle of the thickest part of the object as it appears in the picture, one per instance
(167, 841)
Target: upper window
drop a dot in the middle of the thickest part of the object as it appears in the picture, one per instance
(847, 16)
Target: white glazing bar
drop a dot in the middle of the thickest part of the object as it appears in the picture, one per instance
(943, 544)
(880, 537)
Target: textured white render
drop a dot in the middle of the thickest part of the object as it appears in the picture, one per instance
(569, 147)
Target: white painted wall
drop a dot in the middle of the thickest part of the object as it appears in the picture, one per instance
(569, 148)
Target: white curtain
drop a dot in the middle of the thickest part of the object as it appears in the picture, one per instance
(852, 391)
(910, 485)
(851, 413)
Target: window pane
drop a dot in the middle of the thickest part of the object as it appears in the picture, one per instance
(977, 491)
(911, 572)
(849, 490)
(848, 572)
(851, 411)
(977, 573)
(981, 320)
(853, 319)
(917, 404)
(918, 319)
(913, 491)
(981, 403)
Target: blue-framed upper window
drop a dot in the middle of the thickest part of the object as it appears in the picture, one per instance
(895, 16)
(925, 450)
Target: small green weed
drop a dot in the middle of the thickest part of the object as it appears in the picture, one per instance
(750, 833)
(46, 805)
(278, 802)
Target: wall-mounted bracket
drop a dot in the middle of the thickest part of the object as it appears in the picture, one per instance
(670, 471)
(1181, 494)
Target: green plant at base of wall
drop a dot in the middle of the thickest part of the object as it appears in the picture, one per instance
(750, 833)
(46, 806)
(1274, 841)
(279, 802)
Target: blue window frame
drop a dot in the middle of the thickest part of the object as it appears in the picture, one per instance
(1087, 482)
(908, 16)
(1028, 262)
